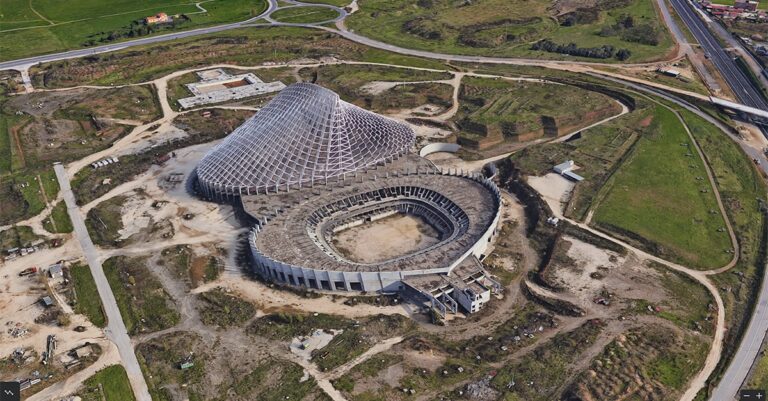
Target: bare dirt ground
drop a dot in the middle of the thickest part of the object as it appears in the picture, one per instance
(554, 188)
(385, 239)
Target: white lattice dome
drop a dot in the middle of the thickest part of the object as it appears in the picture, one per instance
(305, 134)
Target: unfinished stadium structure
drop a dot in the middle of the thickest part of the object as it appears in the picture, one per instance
(305, 136)
(339, 203)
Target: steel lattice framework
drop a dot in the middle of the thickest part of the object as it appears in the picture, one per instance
(305, 135)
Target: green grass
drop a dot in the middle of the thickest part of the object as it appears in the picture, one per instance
(112, 382)
(744, 192)
(337, 3)
(144, 304)
(217, 308)
(759, 377)
(104, 221)
(88, 300)
(5, 145)
(304, 15)
(58, 221)
(656, 195)
(77, 23)
(499, 28)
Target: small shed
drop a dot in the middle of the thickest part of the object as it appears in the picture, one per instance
(55, 271)
(46, 301)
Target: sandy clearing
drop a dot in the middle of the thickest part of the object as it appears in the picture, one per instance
(554, 188)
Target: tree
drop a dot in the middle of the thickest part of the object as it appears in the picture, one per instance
(623, 54)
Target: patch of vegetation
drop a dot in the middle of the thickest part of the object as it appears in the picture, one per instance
(697, 316)
(495, 114)
(105, 220)
(507, 28)
(144, 304)
(357, 335)
(21, 194)
(192, 269)
(108, 384)
(546, 366)
(161, 359)
(58, 221)
(337, 3)
(220, 309)
(17, 237)
(304, 15)
(88, 301)
(53, 27)
(759, 376)
(240, 46)
(351, 83)
(661, 200)
(275, 380)
(658, 357)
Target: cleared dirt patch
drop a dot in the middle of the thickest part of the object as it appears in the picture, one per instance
(384, 239)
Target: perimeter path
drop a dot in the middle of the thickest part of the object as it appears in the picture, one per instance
(115, 330)
(749, 346)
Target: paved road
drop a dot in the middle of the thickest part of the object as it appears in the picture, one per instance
(115, 329)
(741, 85)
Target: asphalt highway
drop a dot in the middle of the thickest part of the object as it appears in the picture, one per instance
(741, 85)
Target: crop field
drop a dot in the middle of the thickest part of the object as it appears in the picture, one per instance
(509, 28)
(57, 26)
(304, 15)
(661, 197)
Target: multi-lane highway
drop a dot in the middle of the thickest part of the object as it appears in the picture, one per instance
(741, 85)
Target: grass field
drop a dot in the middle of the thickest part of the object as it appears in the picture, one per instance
(744, 194)
(108, 384)
(53, 26)
(58, 221)
(143, 303)
(505, 28)
(661, 198)
(337, 3)
(304, 15)
(88, 300)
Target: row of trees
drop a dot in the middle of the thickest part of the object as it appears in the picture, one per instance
(602, 52)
